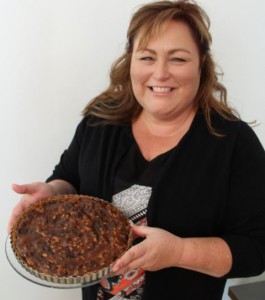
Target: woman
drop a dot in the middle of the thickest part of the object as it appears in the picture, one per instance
(163, 137)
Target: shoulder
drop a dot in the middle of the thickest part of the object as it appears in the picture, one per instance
(92, 127)
(237, 128)
(235, 138)
(92, 123)
(240, 135)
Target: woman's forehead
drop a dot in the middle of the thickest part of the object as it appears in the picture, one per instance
(145, 34)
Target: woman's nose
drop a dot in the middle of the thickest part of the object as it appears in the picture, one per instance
(161, 71)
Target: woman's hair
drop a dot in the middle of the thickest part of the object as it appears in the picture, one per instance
(117, 104)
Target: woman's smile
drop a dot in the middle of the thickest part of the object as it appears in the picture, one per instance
(162, 90)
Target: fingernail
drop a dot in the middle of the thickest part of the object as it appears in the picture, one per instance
(114, 268)
(131, 222)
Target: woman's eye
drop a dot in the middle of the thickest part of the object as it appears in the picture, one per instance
(147, 58)
(178, 59)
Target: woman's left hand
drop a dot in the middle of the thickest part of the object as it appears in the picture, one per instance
(160, 249)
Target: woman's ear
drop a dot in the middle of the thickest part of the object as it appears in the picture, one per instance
(202, 60)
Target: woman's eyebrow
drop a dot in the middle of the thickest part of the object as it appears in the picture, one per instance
(178, 50)
(172, 51)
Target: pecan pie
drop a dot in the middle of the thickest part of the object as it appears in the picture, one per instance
(70, 238)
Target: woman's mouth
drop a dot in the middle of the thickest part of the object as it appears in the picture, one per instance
(161, 89)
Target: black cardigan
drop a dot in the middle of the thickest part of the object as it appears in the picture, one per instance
(210, 186)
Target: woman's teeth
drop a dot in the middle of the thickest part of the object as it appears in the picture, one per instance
(158, 89)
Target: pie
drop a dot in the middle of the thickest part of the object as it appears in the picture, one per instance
(70, 238)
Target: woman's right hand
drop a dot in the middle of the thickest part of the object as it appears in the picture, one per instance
(30, 194)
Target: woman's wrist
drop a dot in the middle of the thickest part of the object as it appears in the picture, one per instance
(60, 187)
(211, 256)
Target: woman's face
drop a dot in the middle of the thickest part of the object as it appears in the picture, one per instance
(165, 75)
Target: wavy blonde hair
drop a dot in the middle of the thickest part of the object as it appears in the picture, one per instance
(117, 104)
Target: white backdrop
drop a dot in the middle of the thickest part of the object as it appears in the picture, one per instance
(55, 56)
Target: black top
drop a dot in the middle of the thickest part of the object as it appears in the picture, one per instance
(209, 186)
(133, 168)
(134, 179)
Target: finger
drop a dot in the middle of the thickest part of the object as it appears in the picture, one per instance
(15, 213)
(136, 264)
(9, 227)
(10, 224)
(133, 254)
(124, 260)
(21, 188)
(24, 202)
(142, 231)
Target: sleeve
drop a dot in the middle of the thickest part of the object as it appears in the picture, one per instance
(68, 167)
(245, 215)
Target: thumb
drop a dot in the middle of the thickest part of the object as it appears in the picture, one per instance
(22, 188)
(141, 230)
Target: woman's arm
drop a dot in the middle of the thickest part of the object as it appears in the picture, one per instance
(210, 256)
(161, 249)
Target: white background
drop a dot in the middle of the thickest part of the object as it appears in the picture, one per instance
(55, 55)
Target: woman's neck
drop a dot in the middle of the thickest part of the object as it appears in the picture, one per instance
(165, 128)
(155, 136)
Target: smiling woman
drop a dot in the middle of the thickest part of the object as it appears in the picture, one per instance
(163, 137)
